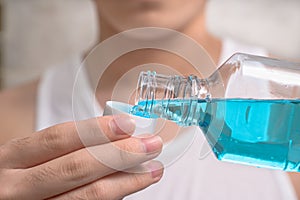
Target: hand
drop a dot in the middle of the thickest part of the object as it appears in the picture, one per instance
(54, 163)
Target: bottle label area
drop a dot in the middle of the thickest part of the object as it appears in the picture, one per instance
(263, 133)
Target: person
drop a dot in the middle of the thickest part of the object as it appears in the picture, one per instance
(45, 103)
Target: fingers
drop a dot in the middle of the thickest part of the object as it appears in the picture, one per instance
(64, 138)
(118, 185)
(87, 165)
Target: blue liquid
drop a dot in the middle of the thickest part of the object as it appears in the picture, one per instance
(263, 133)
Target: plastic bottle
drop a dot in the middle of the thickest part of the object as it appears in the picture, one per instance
(249, 109)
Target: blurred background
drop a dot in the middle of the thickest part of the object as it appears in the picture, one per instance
(38, 34)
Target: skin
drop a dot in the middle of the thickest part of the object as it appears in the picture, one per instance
(63, 168)
(18, 111)
(187, 17)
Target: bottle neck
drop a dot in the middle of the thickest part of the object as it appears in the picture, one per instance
(152, 86)
(156, 93)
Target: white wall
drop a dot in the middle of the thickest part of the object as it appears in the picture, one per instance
(273, 24)
(43, 33)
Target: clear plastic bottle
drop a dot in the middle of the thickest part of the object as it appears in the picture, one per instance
(249, 109)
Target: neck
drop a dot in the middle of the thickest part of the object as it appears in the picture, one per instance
(195, 29)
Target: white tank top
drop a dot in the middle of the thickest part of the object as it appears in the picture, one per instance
(188, 177)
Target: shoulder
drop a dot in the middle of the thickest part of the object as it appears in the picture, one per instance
(230, 47)
(17, 107)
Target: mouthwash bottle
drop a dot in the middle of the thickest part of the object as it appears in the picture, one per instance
(248, 109)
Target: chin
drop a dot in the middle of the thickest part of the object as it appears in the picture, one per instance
(172, 14)
(149, 20)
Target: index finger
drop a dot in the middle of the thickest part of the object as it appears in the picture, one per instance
(62, 139)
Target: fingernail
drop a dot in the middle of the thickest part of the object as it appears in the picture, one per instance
(122, 124)
(156, 169)
(152, 144)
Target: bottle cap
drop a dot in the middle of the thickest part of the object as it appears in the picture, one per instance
(143, 125)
